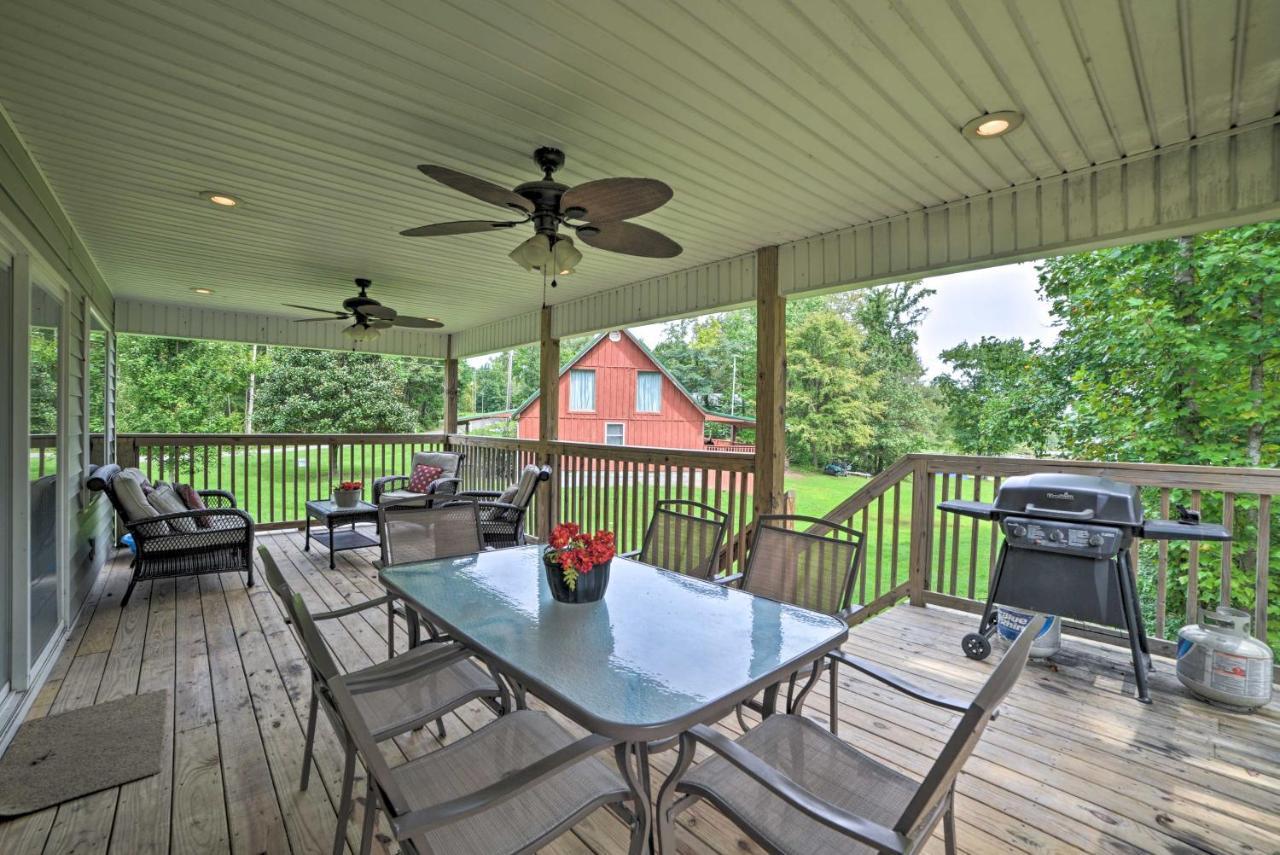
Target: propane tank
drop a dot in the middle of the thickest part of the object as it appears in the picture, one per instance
(1010, 623)
(1219, 661)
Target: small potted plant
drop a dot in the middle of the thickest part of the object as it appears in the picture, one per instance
(577, 563)
(347, 494)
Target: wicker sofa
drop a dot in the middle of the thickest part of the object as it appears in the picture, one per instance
(218, 539)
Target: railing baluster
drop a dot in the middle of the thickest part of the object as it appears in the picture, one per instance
(973, 538)
(1228, 522)
(1193, 568)
(1262, 569)
(893, 547)
(942, 532)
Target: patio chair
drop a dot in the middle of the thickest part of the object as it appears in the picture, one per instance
(414, 689)
(502, 513)
(414, 533)
(793, 787)
(813, 571)
(394, 489)
(683, 537)
(511, 786)
(218, 539)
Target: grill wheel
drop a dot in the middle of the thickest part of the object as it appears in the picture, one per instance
(976, 646)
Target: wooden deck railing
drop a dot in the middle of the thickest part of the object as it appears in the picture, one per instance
(912, 550)
(949, 558)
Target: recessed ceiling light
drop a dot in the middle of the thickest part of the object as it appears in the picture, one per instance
(991, 125)
(222, 200)
(203, 291)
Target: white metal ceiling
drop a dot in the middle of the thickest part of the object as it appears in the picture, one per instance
(772, 121)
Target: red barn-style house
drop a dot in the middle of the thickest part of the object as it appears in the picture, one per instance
(617, 393)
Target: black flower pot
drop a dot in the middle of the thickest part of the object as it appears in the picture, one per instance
(589, 588)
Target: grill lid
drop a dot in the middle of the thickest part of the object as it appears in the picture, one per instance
(1079, 498)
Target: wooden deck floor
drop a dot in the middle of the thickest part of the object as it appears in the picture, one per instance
(1072, 764)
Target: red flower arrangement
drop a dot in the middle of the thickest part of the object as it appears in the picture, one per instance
(577, 552)
(350, 485)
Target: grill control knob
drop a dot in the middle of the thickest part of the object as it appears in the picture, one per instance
(1055, 535)
(1095, 540)
(1016, 530)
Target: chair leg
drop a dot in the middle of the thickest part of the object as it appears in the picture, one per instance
(391, 630)
(344, 804)
(440, 727)
(949, 823)
(370, 810)
(128, 592)
(835, 699)
(311, 741)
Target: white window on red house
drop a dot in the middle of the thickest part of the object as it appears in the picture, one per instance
(614, 433)
(582, 389)
(648, 392)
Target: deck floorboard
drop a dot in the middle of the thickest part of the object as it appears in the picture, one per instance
(1073, 764)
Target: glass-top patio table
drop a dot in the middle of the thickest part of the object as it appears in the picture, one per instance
(660, 653)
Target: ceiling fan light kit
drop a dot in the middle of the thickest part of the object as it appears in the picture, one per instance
(600, 206)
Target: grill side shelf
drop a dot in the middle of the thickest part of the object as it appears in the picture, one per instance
(1174, 530)
(977, 510)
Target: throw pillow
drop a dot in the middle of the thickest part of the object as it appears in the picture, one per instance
(165, 500)
(193, 502)
(134, 504)
(422, 477)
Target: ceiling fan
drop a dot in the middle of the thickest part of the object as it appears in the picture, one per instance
(594, 211)
(371, 317)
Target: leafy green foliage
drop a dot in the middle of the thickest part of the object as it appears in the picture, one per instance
(168, 385)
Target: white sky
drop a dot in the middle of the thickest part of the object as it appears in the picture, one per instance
(999, 301)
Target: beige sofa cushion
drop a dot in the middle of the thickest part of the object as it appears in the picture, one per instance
(166, 501)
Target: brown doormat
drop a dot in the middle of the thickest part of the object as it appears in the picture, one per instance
(61, 757)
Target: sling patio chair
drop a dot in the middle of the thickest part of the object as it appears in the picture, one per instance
(793, 787)
(511, 786)
(414, 688)
(809, 570)
(502, 514)
(683, 537)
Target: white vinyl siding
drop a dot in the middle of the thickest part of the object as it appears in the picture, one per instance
(582, 390)
(648, 392)
(615, 433)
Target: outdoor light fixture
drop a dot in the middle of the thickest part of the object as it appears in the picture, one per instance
(361, 332)
(992, 125)
(222, 200)
(204, 292)
(538, 253)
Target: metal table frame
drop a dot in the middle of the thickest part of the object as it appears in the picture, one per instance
(333, 517)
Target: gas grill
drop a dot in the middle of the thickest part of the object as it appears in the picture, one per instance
(1066, 552)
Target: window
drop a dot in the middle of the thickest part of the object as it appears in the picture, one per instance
(97, 404)
(582, 389)
(614, 433)
(648, 392)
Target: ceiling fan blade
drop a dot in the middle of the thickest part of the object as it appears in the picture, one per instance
(612, 199)
(333, 312)
(460, 227)
(418, 323)
(385, 313)
(630, 239)
(309, 320)
(477, 188)
(380, 324)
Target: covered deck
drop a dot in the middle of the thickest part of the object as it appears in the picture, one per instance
(1072, 764)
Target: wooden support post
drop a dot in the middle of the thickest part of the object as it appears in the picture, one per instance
(771, 384)
(549, 420)
(450, 390)
(921, 543)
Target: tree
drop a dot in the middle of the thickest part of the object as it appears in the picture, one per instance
(890, 317)
(830, 386)
(1002, 395)
(316, 391)
(168, 385)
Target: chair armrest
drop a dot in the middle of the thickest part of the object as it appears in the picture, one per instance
(438, 485)
(484, 798)
(727, 580)
(351, 610)
(392, 672)
(479, 494)
(859, 828)
(380, 484)
(635, 553)
(140, 534)
(894, 682)
(228, 498)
